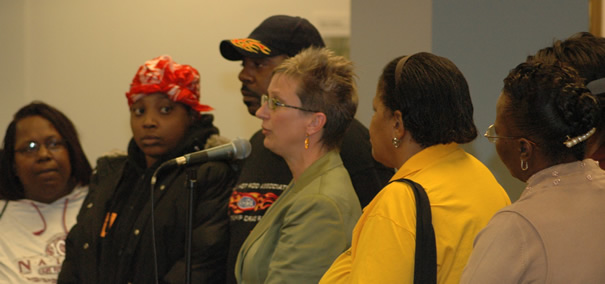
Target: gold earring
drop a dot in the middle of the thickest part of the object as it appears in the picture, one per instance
(396, 142)
(307, 142)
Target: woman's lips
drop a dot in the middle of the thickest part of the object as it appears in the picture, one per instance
(150, 140)
(47, 170)
(47, 173)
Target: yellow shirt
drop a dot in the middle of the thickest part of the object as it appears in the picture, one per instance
(463, 194)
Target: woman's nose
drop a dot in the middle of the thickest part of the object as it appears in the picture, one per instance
(149, 121)
(263, 111)
(43, 152)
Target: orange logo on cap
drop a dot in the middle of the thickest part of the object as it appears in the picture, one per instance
(251, 45)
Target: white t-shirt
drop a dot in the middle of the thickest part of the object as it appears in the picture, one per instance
(32, 237)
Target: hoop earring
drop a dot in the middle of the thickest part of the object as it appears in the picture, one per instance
(396, 142)
(524, 165)
(307, 142)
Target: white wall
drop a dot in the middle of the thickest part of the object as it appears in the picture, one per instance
(12, 56)
(80, 56)
(379, 33)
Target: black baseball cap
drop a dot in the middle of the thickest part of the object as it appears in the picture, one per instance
(276, 35)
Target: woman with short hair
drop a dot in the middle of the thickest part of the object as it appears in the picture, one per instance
(311, 101)
(422, 113)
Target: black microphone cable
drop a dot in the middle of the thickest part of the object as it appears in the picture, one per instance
(153, 241)
(241, 150)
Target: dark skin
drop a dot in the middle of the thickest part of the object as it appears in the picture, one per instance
(514, 150)
(46, 173)
(255, 76)
(158, 125)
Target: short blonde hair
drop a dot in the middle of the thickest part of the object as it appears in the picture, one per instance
(327, 84)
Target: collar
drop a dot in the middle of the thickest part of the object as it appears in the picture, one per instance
(560, 174)
(424, 159)
(194, 140)
(327, 162)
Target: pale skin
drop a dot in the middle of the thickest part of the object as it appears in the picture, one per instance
(285, 129)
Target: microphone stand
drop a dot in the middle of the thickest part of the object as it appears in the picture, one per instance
(191, 182)
(221, 152)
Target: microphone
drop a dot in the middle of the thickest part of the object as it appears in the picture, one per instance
(238, 149)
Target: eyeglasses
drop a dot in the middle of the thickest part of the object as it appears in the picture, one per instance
(492, 136)
(273, 103)
(33, 147)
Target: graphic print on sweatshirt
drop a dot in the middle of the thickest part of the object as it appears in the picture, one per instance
(33, 249)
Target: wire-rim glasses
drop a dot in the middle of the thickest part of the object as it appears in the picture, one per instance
(273, 103)
(33, 147)
(492, 136)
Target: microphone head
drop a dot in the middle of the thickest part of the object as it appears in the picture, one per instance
(242, 148)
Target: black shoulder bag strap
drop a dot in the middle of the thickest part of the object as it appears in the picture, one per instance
(425, 268)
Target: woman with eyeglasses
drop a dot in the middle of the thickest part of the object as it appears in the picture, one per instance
(422, 113)
(554, 233)
(311, 100)
(44, 176)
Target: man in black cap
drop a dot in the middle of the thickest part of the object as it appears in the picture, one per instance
(264, 175)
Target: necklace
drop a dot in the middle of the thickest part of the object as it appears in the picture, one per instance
(37, 233)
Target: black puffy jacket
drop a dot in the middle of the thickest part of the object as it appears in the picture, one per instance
(130, 260)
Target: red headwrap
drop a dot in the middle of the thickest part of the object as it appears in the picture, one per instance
(181, 83)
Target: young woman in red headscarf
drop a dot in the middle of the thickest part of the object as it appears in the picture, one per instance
(113, 241)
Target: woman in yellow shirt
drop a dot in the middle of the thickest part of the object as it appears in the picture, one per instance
(423, 111)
